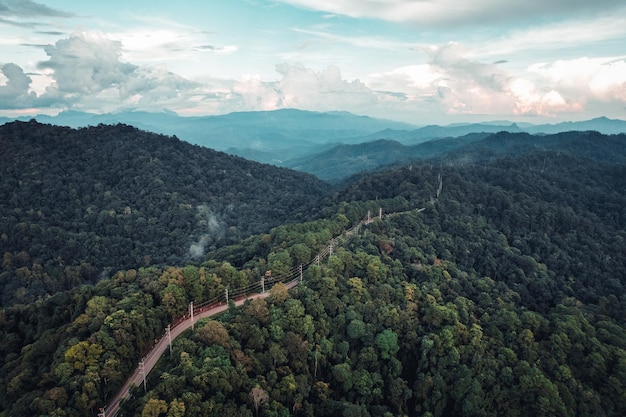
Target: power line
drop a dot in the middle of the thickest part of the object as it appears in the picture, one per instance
(290, 278)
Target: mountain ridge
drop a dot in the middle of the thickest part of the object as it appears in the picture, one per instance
(341, 161)
(278, 135)
(243, 127)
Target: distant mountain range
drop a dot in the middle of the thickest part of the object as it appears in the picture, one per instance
(343, 161)
(330, 145)
(266, 131)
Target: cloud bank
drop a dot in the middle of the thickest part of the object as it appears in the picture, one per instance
(304, 88)
(453, 83)
(86, 72)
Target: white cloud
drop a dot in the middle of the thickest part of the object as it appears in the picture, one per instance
(324, 90)
(86, 63)
(457, 84)
(450, 83)
(448, 12)
(528, 100)
(87, 71)
(420, 77)
(28, 8)
(167, 45)
(485, 88)
(14, 91)
(251, 93)
(365, 41)
(299, 87)
(600, 79)
(572, 34)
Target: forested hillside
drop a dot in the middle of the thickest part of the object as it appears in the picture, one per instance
(77, 203)
(342, 161)
(494, 284)
(345, 160)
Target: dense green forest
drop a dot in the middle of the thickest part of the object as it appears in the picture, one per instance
(75, 204)
(494, 284)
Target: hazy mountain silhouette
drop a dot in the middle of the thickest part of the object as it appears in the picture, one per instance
(262, 131)
(344, 160)
(289, 134)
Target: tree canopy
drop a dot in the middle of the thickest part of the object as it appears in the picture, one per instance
(78, 204)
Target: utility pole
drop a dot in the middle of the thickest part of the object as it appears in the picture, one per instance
(262, 284)
(440, 185)
(191, 313)
(142, 369)
(317, 351)
(169, 337)
(380, 213)
(226, 292)
(301, 275)
(330, 248)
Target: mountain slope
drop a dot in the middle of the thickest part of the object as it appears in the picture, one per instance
(553, 207)
(344, 160)
(584, 144)
(74, 202)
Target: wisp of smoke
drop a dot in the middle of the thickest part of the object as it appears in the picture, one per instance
(208, 223)
(196, 250)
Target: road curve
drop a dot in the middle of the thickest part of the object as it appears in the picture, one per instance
(153, 356)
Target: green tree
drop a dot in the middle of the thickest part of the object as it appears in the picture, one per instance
(387, 342)
(176, 408)
(83, 354)
(214, 333)
(279, 263)
(356, 329)
(343, 374)
(174, 300)
(300, 253)
(278, 293)
(192, 285)
(154, 408)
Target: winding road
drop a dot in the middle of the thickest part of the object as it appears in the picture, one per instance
(150, 360)
(211, 308)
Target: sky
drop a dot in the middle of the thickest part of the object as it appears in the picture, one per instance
(418, 61)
